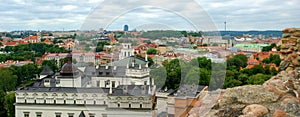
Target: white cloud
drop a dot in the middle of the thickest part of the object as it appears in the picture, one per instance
(240, 14)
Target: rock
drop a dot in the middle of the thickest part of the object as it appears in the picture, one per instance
(229, 112)
(289, 69)
(283, 65)
(249, 94)
(279, 113)
(296, 34)
(256, 110)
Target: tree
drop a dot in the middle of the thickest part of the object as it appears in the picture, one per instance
(258, 79)
(2, 108)
(51, 63)
(151, 51)
(8, 81)
(100, 46)
(159, 76)
(269, 48)
(9, 104)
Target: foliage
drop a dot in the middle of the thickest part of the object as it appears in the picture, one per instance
(100, 46)
(159, 76)
(151, 51)
(273, 58)
(237, 62)
(9, 104)
(159, 34)
(8, 80)
(29, 51)
(258, 79)
(269, 48)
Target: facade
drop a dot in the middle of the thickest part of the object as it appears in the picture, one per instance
(120, 88)
(126, 50)
(250, 47)
(84, 57)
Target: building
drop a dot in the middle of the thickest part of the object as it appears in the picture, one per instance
(120, 88)
(126, 50)
(182, 100)
(126, 27)
(85, 57)
(250, 47)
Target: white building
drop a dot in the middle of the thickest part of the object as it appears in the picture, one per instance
(126, 50)
(112, 90)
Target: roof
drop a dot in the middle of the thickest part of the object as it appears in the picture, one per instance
(64, 89)
(128, 61)
(135, 90)
(111, 71)
(46, 71)
(187, 90)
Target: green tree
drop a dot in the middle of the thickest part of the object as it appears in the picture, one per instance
(8, 81)
(2, 108)
(151, 51)
(258, 79)
(9, 104)
(159, 76)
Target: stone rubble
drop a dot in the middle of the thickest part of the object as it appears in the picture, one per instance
(277, 97)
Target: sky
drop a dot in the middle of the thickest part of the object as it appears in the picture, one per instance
(148, 14)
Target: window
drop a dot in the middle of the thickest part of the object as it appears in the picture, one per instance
(74, 101)
(129, 105)
(38, 114)
(57, 114)
(98, 83)
(113, 83)
(26, 114)
(141, 106)
(25, 101)
(118, 105)
(94, 102)
(84, 102)
(34, 101)
(91, 114)
(54, 101)
(44, 101)
(71, 114)
(64, 101)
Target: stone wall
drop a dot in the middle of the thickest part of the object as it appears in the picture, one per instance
(290, 49)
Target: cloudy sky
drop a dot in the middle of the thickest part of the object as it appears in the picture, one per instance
(148, 14)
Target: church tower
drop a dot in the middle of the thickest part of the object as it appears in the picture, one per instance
(126, 50)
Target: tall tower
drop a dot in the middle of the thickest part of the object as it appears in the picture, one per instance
(126, 50)
(225, 25)
(126, 27)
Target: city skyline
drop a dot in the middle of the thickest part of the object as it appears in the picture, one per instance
(71, 15)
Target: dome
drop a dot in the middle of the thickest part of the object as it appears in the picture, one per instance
(69, 69)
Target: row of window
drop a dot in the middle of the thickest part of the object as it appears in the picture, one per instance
(129, 105)
(54, 102)
(57, 114)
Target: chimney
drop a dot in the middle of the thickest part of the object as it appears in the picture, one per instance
(110, 88)
(146, 57)
(146, 65)
(125, 89)
(149, 89)
(132, 64)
